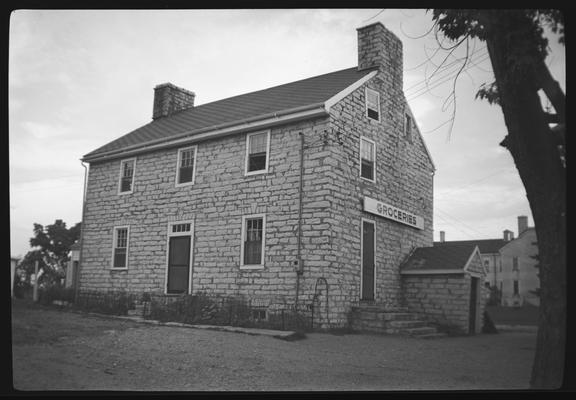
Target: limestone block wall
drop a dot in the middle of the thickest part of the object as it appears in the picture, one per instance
(215, 204)
(444, 299)
(403, 178)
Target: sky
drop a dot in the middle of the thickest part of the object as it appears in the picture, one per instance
(79, 79)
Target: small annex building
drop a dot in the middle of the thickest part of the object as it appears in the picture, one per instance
(444, 284)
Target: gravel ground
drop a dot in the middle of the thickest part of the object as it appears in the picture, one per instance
(58, 350)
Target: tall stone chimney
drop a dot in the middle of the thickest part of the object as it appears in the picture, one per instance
(380, 48)
(442, 236)
(522, 224)
(169, 99)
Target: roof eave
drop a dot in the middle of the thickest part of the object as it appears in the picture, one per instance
(260, 122)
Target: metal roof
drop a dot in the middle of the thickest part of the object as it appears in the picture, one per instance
(279, 99)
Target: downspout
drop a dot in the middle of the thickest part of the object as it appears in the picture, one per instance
(299, 266)
(82, 228)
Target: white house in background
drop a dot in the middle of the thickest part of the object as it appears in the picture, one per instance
(519, 276)
(509, 263)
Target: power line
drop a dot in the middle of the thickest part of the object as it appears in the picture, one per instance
(437, 83)
(448, 67)
(474, 182)
(457, 220)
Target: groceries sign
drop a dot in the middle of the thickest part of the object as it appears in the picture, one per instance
(394, 213)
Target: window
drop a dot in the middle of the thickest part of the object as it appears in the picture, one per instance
(367, 159)
(408, 126)
(516, 289)
(372, 104)
(253, 234)
(514, 263)
(120, 248)
(257, 147)
(186, 166)
(127, 176)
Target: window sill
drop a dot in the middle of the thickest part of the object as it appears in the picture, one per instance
(118, 269)
(259, 172)
(179, 185)
(368, 180)
(123, 193)
(251, 267)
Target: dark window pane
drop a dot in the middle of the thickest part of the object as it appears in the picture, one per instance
(185, 174)
(373, 113)
(253, 252)
(257, 162)
(120, 258)
(126, 184)
(367, 170)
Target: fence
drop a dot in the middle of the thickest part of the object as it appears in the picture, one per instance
(225, 310)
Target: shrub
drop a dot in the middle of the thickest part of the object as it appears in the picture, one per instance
(55, 292)
(113, 303)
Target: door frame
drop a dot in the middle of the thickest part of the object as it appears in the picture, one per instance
(473, 308)
(373, 222)
(170, 234)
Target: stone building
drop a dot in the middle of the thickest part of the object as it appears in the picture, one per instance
(320, 187)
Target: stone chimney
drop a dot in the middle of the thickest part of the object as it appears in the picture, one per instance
(380, 48)
(442, 236)
(508, 235)
(169, 99)
(522, 224)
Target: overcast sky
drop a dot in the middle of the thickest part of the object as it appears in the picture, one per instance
(79, 79)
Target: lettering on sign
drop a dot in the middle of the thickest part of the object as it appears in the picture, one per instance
(376, 207)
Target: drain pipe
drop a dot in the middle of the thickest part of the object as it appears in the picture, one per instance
(82, 228)
(298, 263)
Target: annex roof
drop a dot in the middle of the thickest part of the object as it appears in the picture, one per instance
(251, 106)
(486, 246)
(449, 258)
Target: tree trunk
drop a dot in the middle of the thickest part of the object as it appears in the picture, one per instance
(536, 156)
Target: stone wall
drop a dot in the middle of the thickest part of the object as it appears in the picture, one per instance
(444, 299)
(221, 195)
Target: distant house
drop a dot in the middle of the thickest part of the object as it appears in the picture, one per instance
(509, 263)
(519, 277)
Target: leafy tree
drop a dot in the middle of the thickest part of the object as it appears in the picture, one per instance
(51, 247)
(518, 47)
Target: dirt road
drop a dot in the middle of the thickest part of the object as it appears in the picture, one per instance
(57, 350)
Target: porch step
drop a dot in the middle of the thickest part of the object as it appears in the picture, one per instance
(396, 321)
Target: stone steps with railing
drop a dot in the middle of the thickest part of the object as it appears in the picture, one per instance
(398, 321)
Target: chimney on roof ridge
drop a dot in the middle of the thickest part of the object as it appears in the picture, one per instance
(380, 48)
(522, 224)
(508, 235)
(442, 236)
(169, 99)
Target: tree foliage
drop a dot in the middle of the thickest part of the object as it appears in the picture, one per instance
(51, 245)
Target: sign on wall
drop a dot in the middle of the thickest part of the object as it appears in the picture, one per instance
(376, 207)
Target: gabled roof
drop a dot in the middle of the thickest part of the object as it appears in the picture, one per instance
(486, 246)
(277, 100)
(449, 258)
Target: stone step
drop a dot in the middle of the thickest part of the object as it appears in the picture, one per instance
(401, 324)
(424, 330)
